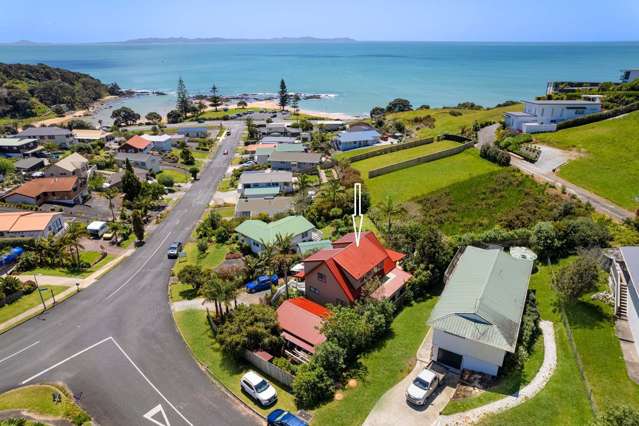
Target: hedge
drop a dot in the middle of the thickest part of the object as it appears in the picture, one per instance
(598, 116)
(391, 148)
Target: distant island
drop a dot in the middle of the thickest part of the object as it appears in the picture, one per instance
(200, 40)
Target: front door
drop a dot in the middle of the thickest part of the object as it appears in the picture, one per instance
(449, 358)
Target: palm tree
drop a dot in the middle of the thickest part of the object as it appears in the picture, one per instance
(333, 188)
(283, 243)
(118, 228)
(252, 267)
(389, 210)
(71, 239)
(110, 194)
(303, 182)
(266, 257)
(211, 291)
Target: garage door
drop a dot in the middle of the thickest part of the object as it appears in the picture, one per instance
(449, 358)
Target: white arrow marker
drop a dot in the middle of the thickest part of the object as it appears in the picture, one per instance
(357, 212)
(153, 411)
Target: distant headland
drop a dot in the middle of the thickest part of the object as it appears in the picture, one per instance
(201, 40)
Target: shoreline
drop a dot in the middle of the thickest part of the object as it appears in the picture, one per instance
(327, 115)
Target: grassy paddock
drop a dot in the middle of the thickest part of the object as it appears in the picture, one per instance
(609, 165)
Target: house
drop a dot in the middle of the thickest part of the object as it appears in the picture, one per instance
(328, 125)
(309, 247)
(61, 190)
(30, 224)
(624, 283)
(72, 165)
(350, 140)
(194, 132)
(252, 207)
(14, 147)
(136, 145)
(277, 181)
(476, 320)
(543, 116)
(290, 147)
(262, 155)
(279, 129)
(160, 143)
(251, 149)
(257, 234)
(295, 161)
(147, 162)
(301, 323)
(630, 75)
(340, 275)
(30, 164)
(90, 135)
(276, 140)
(61, 137)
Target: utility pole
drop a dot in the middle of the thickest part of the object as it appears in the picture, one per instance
(39, 292)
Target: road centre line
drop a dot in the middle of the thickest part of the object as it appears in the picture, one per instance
(19, 352)
(141, 267)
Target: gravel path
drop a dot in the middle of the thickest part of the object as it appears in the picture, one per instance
(531, 389)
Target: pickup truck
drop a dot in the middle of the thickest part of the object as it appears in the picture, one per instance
(423, 386)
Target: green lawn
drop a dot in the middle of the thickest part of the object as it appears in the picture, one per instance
(503, 197)
(447, 123)
(213, 256)
(610, 163)
(225, 211)
(87, 256)
(348, 154)
(365, 166)
(37, 399)
(507, 385)
(178, 177)
(200, 155)
(225, 185)
(179, 291)
(197, 334)
(563, 400)
(217, 115)
(27, 302)
(388, 364)
(419, 180)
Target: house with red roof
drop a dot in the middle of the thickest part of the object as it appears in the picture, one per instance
(136, 145)
(301, 322)
(340, 274)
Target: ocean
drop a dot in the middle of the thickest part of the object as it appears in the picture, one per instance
(352, 76)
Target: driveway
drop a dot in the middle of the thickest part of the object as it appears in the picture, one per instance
(551, 158)
(392, 408)
(487, 135)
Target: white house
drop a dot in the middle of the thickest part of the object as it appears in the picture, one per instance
(477, 318)
(629, 75)
(30, 224)
(142, 161)
(624, 283)
(256, 234)
(61, 137)
(543, 116)
(261, 183)
(161, 143)
(350, 140)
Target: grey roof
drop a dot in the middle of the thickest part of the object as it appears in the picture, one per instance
(631, 259)
(265, 177)
(134, 156)
(519, 114)
(15, 142)
(28, 163)
(44, 131)
(484, 298)
(278, 139)
(298, 157)
(270, 206)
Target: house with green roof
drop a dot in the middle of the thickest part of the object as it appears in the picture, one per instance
(258, 234)
(477, 318)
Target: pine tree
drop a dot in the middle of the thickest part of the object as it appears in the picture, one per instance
(283, 94)
(216, 99)
(183, 104)
(131, 185)
(138, 225)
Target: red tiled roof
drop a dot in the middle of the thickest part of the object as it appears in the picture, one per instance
(138, 142)
(302, 319)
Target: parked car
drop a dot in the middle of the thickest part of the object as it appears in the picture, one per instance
(248, 164)
(263, 282)
(226, 152)
(281, 417)
(228, 133)
(174, 250)
(107, 236)
(423, 386)
(258, 388)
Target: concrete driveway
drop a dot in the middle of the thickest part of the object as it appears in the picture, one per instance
(392, 408)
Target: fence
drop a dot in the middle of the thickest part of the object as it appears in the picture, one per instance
(390, 148)
(272, 370)
(420, 160)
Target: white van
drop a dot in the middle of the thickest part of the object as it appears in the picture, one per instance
(97, 229)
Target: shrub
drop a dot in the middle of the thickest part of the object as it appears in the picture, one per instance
(250, 327)
(455, 113)
(577, 278)
(528, 333)
(330, 357)
(617, 416)
(493, 153)
(544, 240)
(166, 180)
(202, 245)
(10, 284)
(311, 386)
(285, 365)
(29, 287)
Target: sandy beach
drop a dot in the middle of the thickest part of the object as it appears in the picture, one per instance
(75, 114)
(327, 115)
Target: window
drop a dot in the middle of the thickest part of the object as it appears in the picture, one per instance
(321, 277)
(314, 290)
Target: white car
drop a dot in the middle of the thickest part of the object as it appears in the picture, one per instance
(422, 387)
(258, 388)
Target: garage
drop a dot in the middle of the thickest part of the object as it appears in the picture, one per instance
(450, 359)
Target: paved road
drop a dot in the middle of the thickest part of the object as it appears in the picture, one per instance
(115, 344)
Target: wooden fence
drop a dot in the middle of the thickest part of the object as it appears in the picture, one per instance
(270, 369)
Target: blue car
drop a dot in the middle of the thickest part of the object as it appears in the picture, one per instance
(263, 282)
(280, 417)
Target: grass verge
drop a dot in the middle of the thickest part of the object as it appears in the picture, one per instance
(87, 256)
(27, 302)
(37, 399)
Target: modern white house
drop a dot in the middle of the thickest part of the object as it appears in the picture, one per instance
(543, 116)
(629, 75)
(477, 318)
(624, 283)
(356, 139)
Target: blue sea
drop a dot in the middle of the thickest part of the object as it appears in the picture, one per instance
(355, 75)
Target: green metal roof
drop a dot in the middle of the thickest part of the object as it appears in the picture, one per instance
(484, 298)
(262, 192)
(290, 147)
(309, 246)
(266, 233)
(264, 151)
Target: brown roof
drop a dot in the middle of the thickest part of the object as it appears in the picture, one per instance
(35, 187)
(25, 221)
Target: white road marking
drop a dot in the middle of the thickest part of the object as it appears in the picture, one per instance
(19, 352)
(132, 363)
(140, 268)
(46, 370)
(153, 411)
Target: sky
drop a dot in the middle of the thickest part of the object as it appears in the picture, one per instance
(73, 21)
